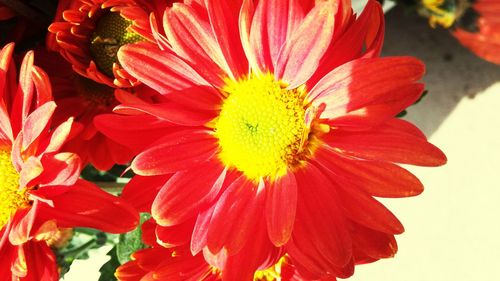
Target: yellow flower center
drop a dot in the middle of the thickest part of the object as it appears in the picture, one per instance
(11, 197)
(261, 128)
(442, 12)
(110, 34)
(271, 274)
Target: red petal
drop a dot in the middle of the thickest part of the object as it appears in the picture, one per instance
(375, 244)
(320, 235)
(377, 178)
(390, 146)
(363, 82)
(176, 152)
(367, 211)
(281, 204)
(171, 111)
(161, 70)
(140, 192)
(40, 262)
(349, 45)
(235, 216)
(308, 44)
(24, 95)
(191, 37)
(60, 169)
(223, 17)
(36, 123)
(86, 205)
(186, 192)
(135, 132)
(173, 236)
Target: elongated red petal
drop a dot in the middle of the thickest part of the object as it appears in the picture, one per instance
(135, 132)
(375, 177)
(36, 123)
(161, 70)
(224, 17)
(300, 56)
(192, 38)
(186, 192)
(320, 234)
(86, 205)
(235, 216)
(387, 146)
(176, 152)
(363, 82)
(281, 204)
(172, 112)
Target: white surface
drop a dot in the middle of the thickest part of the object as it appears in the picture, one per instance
(452, 229)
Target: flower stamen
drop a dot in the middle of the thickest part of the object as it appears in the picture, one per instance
(11, 197)
(262, 129)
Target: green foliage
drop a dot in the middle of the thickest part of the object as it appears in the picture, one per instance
(108, 269)
(130, 242)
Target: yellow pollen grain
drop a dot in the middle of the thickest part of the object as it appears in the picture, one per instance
(11, 197)
(110, 34)
(261, 126)
(440, 12)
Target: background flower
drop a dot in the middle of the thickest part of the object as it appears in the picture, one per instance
(89, 33)
(40, 187)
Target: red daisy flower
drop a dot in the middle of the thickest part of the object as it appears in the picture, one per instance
(40, 189)
(89, 33)
(83, 99)
(479, 29)
(278, 130)
(169, 262)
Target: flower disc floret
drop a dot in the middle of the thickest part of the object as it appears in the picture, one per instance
(261, 126)
(110, 34)
(11, 197)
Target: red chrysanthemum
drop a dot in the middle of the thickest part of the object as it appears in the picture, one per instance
(89, 33)
(83, 99)
(174, 262)
(479, 29)
(278, 130)
(40, 189)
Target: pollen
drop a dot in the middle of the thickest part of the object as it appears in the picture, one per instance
(442, 12)
(111, 32)
(271, 274)
(11, 197)
(261, 127)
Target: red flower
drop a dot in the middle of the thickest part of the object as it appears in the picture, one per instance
(83, 99)
(278, 130)
(479, 29)
(40, 189)
(89, 33)
(170, 262)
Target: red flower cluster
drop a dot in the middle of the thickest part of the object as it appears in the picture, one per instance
(260, 132)
(40, 189)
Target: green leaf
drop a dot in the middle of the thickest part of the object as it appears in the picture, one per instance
(108, 269)
(130, 242)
